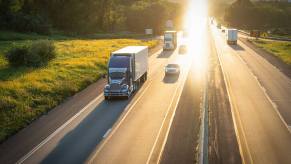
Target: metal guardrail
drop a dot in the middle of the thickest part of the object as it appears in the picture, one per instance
(203, 141)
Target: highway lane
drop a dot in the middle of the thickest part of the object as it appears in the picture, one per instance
(276, 84)
(74, 142)
(183, 137)
(262, 134)
(138, 138)
(22, 142)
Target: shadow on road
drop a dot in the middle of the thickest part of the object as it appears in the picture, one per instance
(80, 142)
(237, 47)
(171, 78)
(165, 54)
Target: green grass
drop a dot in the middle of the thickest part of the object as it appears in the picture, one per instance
(27, 93)
(9, 35)
(282, 50)
(281, 36)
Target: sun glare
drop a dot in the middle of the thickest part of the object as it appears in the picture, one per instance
(195, 24)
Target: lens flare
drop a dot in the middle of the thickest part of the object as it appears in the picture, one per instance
(195, 25)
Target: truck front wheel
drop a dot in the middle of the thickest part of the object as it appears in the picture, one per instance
(145, 76)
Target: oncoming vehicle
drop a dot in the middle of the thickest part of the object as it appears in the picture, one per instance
(183, 49)
(172, 69)
(127, 69)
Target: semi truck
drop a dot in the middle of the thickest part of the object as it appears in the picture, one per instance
(231, 36)
(127, 69)
(170, 40)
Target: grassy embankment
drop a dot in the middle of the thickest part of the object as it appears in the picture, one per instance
(282, 50)
(27, 93)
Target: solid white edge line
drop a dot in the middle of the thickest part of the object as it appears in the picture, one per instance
(170, 123)
(26, 156)
(128, 110)
(115, 127)
(58, 130)
(107, 132)
(123, 117)
(236, 120)
(264, 90)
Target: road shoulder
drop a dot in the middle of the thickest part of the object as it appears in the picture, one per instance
(275, 61)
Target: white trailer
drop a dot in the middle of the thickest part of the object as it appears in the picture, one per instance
(127, 69)
(231, 36)
(139, 56)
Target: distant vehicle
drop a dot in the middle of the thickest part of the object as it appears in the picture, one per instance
(185, 33)
(172, 69)
(223, 30)
(183, 49)
(231, 36)
(255, 33)
(218, 25)
(127, 69)
(170, 40)
(211, 21)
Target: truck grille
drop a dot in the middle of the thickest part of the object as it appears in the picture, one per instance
(114, 87)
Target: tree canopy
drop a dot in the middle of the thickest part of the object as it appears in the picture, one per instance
(259, 15)
(86, 16)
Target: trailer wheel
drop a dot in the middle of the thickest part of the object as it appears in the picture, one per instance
(142, 78)
(146, 76)
(134, 86)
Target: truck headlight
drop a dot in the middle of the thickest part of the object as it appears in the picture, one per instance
(106, 88)
(124, 88)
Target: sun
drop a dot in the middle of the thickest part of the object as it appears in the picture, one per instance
(196, 15)
(195, 24)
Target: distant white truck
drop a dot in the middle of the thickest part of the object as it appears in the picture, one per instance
(170, 40)
(231, 36)
(127, 69)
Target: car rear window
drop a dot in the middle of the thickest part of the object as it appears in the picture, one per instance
(173, 65)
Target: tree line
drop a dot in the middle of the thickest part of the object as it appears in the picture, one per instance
(259, 15)
(87, 16)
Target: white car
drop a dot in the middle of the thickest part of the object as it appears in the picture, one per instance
(183, 49)
(172, 69)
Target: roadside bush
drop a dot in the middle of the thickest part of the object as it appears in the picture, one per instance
(40, 53)
(16, 57)
(36, 55)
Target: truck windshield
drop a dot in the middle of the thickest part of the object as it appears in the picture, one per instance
(119, 62)
(117, 75)
(168, 37)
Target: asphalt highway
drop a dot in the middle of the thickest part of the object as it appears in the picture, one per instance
(260, 102)
(160, 123)
(127, 131)
(139, 137)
